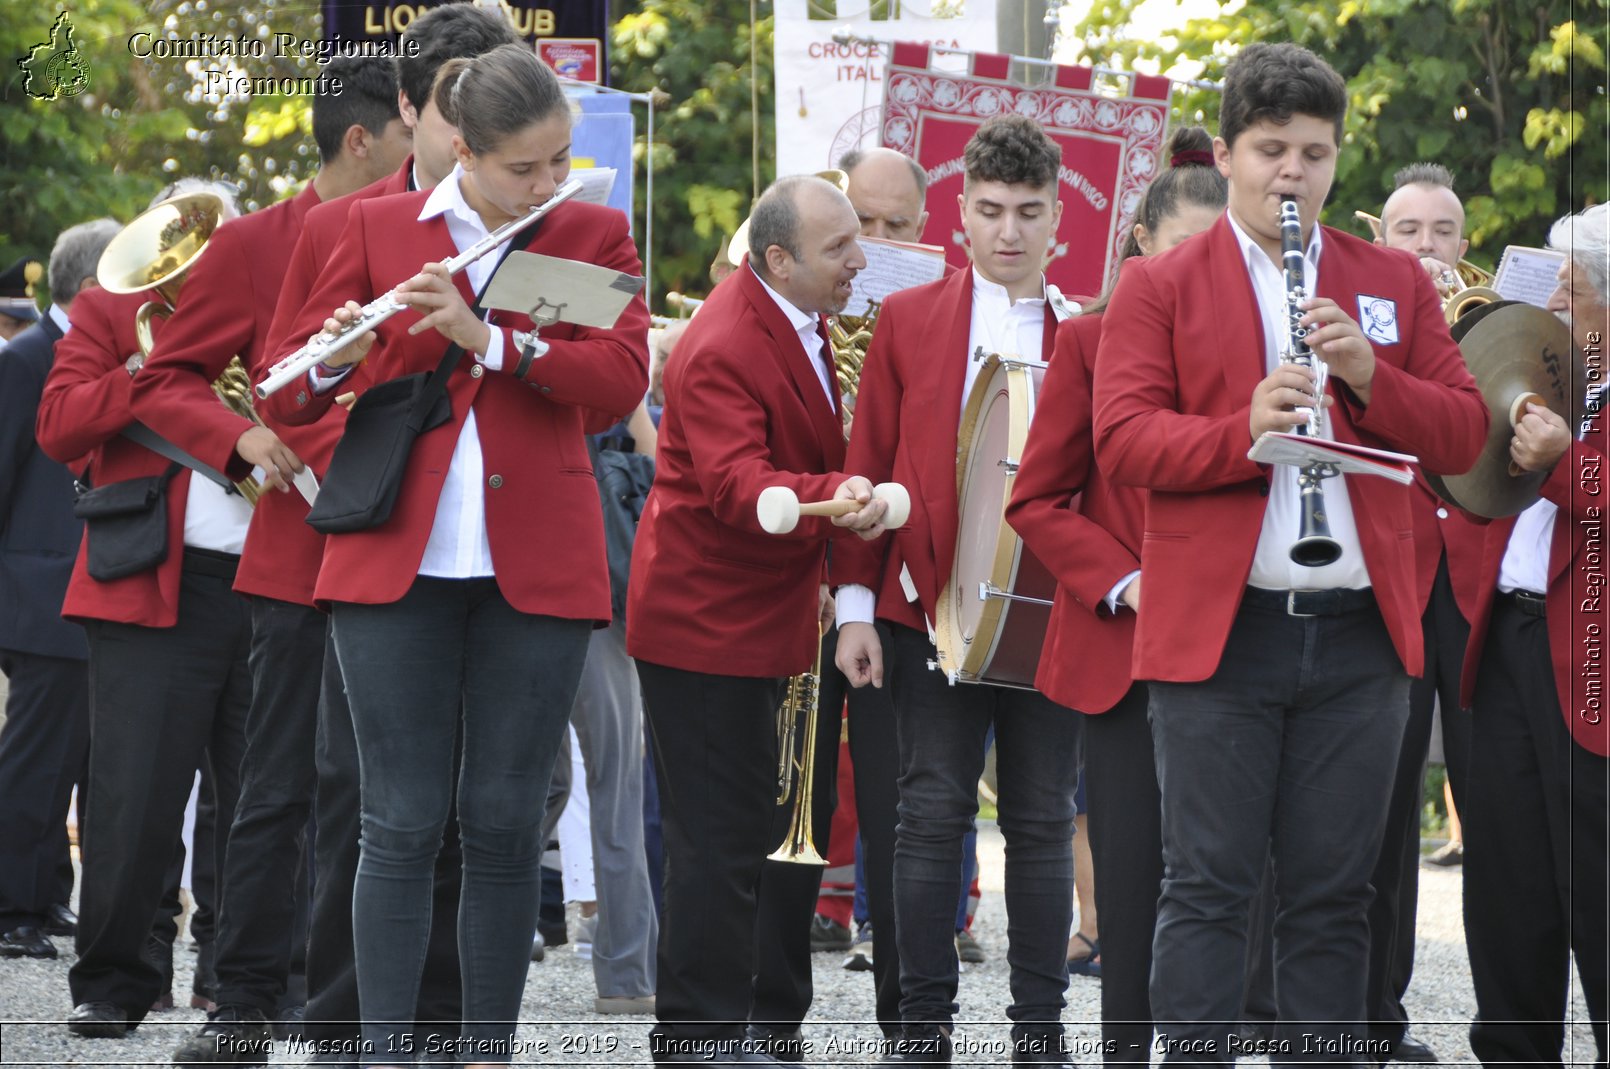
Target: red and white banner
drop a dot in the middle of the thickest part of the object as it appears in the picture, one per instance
(1110, 149)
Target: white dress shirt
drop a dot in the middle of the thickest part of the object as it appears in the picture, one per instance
(1272, 566)
(999, 325)
(805, 325)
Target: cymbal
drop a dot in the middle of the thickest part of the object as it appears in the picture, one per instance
(1516, 352)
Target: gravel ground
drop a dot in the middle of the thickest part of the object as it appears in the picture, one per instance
(560, 1026)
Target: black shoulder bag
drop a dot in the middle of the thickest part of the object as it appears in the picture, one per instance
(126, 524)
(366, 471)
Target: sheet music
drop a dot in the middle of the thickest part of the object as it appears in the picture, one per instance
(564, 291)
(1273, 447)
(596, 183)
(892, 266)
(1527, 274)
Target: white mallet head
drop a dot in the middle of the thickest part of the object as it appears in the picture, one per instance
(898, 498)
(778, 509)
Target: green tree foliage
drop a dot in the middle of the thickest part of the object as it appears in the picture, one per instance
(697, 52)
(1509, 96)
(143, 122)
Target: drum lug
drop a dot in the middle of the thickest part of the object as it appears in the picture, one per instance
(1009, 464)
(950, 677)
(988, 590)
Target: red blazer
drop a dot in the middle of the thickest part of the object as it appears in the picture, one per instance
(1576, 610)
(1438, 528)
(710, 591)
(1181, 352)
(225, 310)
(85, 405)
(531, 431)
(1083, 527)
(907, 416)
(322, 226)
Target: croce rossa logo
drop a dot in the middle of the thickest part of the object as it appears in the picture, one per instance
(54, 69)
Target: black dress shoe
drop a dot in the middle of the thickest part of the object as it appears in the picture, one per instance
(1409, 1049)
(98, 1020)
(919, 1044)
(784, 1046)
(59, 920)
(26, 942)
(1044, 1048)
(233, 1035)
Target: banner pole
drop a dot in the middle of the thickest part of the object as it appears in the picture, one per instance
(846, 38)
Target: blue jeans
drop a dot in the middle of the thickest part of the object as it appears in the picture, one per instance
(451, 648)
(942, 731)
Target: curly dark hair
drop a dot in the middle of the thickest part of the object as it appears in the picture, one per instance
(451, 31)
(1271, 83)
(1012, 149)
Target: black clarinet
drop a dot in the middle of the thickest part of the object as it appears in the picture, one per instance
(1314, 547)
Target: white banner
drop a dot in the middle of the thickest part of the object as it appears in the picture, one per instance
(830, 95)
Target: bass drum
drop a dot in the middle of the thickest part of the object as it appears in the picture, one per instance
(994, 610)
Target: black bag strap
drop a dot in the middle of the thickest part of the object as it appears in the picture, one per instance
(426, 400)
(82, 484)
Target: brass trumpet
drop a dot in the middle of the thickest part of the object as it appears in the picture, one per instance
(155, 252)
(794, 774)
(1471, 286)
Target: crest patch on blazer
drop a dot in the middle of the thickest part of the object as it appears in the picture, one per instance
(1379, 318)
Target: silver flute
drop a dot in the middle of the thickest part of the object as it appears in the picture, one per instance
(325, 345)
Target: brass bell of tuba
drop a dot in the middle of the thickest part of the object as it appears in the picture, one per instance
(155, 252)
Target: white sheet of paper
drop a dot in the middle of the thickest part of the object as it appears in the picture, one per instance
(1527, 274)
(892, 266)
(1295, 449)
(307, 484)
(596, 183)
(565, 291)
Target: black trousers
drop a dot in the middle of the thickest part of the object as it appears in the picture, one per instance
(159, 697)
(715, 757)
(788, 893)
(332, 1014)
(1126, 847)
(1537, 848)
(262, 878)
(1287, 749)
(1397, 871)
(44, 750)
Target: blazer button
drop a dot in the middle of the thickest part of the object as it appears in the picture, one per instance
(495, 481)
(1442, 514)
(546, 389)
(476, 371)
(1263, 490)
(301, 397)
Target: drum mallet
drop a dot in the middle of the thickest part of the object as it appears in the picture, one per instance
(779, 508)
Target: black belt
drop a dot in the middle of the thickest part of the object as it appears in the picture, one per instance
(211, 562)
(1332, 602)
(1527, 602)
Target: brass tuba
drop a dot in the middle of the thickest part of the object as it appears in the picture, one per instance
(155, 252)
(794, 774)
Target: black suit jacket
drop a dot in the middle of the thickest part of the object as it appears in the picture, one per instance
(39, 535)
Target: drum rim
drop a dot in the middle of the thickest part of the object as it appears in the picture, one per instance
(1008, 549)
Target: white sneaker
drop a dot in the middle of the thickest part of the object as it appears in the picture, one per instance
(539, 947)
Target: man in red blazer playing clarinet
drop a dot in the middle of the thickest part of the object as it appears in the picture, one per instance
(719, 613)
(1535, 809)
(1278, 692)
(908, 412)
